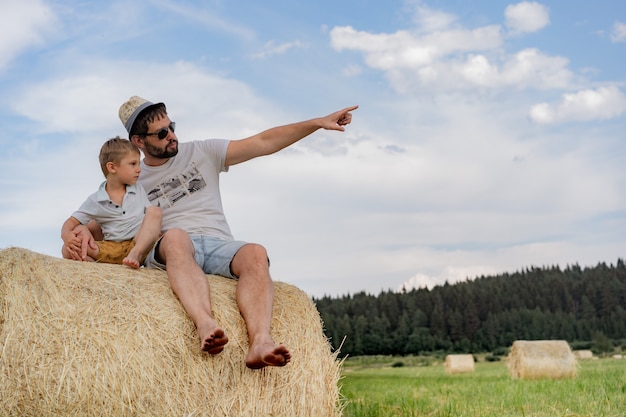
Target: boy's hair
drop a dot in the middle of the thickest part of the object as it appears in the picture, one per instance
(149, 115)
(114, 150)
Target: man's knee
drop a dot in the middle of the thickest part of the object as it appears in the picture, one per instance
(176, 235)
(251, 256)
(254, 252)
(175, 242)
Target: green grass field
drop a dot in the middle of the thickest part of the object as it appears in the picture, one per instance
(375, 388)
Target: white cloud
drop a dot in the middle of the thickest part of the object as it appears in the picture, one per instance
(271, 48)
(599, 104)
(452, 60)
(531, 68)
(448, 58)
(25, 24)
(429, 20)
(528, 68)
(409, 58)
(462, 265)
(618, 34)
(450, 274)
(73, 104)
(87, 101)
(526, 17)
(404, 49)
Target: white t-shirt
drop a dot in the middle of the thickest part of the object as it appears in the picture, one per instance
(118, 223)
(187, 188)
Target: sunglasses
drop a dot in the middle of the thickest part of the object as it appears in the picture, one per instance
(162, 133)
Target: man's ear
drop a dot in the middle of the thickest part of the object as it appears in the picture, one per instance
(136, 139)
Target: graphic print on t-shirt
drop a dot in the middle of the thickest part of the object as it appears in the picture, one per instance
(167, 193)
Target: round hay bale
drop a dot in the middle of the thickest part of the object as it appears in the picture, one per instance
(86, 339)
(459, 364)
(583, 354)
(541, 359)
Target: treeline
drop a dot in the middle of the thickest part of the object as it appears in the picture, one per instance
(484, 314)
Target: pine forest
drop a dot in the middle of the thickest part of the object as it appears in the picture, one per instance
(584, 306)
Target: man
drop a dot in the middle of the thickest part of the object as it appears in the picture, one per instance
(183, 179)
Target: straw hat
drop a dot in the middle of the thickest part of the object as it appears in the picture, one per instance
(130, 110)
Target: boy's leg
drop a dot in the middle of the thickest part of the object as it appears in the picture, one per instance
(110, 252)
(92, 254)
(146, 236)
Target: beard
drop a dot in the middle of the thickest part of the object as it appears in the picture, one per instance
(161, 153)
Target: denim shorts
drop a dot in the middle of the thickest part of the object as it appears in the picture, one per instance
(213, 254)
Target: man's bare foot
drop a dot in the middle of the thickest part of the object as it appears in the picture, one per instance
(214, 342)
(131, 262)
(267, 354)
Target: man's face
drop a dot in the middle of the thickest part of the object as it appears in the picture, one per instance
(161, 148)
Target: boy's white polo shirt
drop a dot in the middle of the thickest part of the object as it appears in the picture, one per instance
(118, 222)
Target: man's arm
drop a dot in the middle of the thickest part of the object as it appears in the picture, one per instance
(277, 138)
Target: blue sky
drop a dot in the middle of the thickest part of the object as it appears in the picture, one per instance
(490, 135)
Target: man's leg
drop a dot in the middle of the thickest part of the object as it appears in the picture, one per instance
(190, 284)
(255, 298)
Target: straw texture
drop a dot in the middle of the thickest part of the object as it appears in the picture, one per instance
(88, 339)
(459, 364)
(541, 359)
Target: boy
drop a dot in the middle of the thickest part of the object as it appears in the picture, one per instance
(130, 224)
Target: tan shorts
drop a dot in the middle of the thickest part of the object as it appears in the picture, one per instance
(114, 252)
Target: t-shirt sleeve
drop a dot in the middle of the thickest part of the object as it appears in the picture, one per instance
(85, 212)
(216, 150)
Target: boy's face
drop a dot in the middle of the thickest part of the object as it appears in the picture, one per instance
(128, 169)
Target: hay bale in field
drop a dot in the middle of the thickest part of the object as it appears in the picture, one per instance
(459, 364)
(85, 339)
(583, 354)
(541, 359)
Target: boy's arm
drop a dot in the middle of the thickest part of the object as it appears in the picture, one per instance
(77, 238)
(71, 241)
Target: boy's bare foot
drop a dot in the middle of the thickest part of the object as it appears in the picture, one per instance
(214, 342)
(131, 261)
(267, 354)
